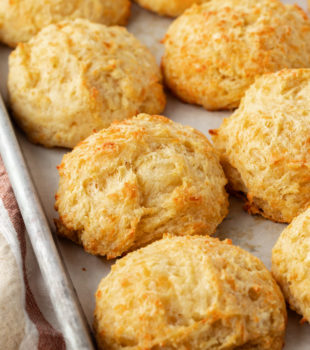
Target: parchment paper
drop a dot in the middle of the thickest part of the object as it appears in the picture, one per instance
(254, 234)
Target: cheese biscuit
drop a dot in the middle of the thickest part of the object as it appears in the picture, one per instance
(75, 77)
(189, 292)
(265, 145)
(127, 185)
(291, 264)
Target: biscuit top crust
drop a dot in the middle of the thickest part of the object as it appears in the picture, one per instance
(215, 50)
(291, 263)
(268, 141)
(189, 293)
(127, 185)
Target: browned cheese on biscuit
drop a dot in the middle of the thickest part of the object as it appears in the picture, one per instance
(75, 77)
(127, 185)
(172, 8)
(214, 51)
(291, 264)
(189, 292)
(22, 19)
(265, 145)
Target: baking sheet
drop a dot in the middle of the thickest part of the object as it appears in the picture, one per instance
(254, 234)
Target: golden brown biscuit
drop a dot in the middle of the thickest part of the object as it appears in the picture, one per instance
(192, 293)
(76, 76)
(214, 51)
(291, 264)
(22, 19)
(265, 145)
(127, 185)
(172, 8)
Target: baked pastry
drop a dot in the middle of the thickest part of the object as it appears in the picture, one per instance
(22, 19)
(172, 8)
(189, 293)
(214, 51)
(291, 264)
(265, 148)
(75, 77)
(127, 185)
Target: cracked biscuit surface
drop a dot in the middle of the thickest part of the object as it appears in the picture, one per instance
(291, 264)
(76, 76)
(127, 185)
(22, 19)
(265, 145)
(189, 292)
(214, 51)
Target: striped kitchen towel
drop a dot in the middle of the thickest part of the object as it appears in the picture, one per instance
(23, 325)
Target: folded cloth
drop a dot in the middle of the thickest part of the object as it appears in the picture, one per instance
(22, 324)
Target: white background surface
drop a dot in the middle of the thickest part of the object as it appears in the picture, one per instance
(254, 234)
